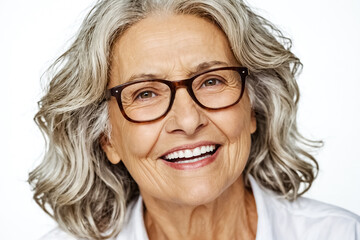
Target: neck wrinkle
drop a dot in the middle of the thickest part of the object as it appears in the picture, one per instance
(232, 215)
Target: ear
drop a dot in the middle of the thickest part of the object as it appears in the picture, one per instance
(252, 122)
(110, 151)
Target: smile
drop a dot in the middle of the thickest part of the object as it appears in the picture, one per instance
(191, 155)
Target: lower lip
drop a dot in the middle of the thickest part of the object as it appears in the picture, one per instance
(194, 165)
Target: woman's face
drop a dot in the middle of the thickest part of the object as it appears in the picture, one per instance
(171, 47)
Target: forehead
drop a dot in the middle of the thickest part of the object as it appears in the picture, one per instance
(167, 45)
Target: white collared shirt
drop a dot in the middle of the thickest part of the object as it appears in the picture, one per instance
(278, 219)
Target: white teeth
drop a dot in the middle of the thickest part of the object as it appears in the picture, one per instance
(197, 151)
(189, 153)
(194, 160)
(203, 149)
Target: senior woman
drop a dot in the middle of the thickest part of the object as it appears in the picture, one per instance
(176, 119)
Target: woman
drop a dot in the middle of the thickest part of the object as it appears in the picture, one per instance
(177, 120)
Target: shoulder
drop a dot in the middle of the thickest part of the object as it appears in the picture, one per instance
(312, 219)
(133, 227)
(303, 218)
(57, 234)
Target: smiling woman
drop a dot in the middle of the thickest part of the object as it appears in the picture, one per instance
(168, 119)
(182, 43)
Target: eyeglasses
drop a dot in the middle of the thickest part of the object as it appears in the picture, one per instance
(149, 100)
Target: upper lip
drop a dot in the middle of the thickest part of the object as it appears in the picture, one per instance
(188, 146)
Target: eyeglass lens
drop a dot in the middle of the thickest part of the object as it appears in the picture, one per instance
(144, 101)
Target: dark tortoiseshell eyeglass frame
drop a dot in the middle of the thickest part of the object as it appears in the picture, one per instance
(174, 85)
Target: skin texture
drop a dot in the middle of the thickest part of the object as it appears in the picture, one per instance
(209, 202)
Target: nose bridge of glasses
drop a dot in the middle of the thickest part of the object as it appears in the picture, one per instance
(185, 83)
(185, 105)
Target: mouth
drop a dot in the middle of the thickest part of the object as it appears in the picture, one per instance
(186, 156)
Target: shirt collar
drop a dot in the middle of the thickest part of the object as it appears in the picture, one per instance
(134, 227)
(261, 195)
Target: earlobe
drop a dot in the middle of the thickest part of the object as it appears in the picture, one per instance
(110, 151)
(253, 122)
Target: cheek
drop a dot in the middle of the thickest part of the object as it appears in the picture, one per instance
(236, 125)
(137, 140)
(140, 139)
(132, 140)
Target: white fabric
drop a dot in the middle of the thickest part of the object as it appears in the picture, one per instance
(278, 219)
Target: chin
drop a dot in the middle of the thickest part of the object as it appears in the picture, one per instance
(198, 194)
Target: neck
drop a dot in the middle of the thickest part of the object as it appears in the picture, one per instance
(231, 216)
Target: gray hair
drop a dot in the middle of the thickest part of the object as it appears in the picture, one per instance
(82, 190)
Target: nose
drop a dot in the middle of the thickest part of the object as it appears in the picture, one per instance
(185, 115)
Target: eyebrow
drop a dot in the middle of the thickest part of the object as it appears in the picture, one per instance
(207, 65)
(198, 69)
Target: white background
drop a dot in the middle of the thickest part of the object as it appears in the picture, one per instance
(326, 37)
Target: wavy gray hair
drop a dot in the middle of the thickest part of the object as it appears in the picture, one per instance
(82, 190)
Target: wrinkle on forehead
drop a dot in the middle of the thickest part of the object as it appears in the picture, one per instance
(169, 47)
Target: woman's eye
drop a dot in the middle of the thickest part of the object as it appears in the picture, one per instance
(145, 95)
(211, 82)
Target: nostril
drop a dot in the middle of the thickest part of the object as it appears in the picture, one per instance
(199, 127)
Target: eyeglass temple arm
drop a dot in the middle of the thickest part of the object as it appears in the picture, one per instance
(108, 94)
